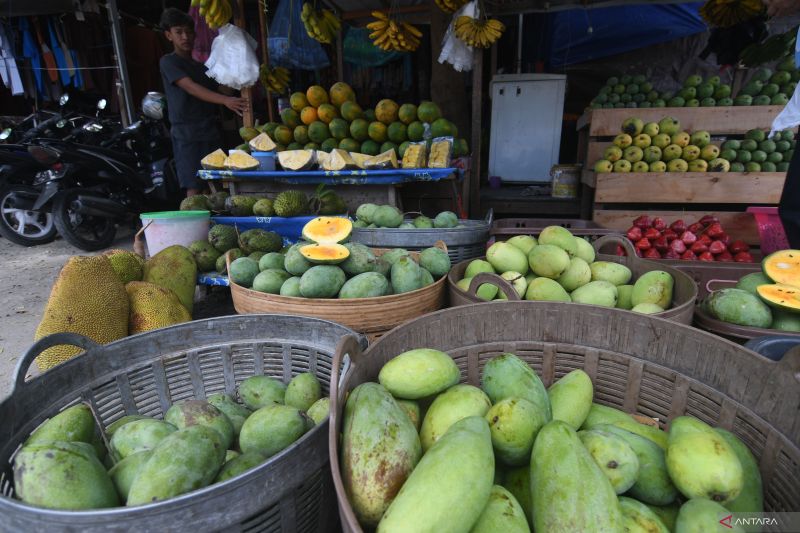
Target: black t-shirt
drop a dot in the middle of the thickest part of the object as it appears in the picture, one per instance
(191, 118)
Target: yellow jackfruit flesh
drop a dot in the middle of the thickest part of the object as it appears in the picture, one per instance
(174, 268)
(241, 160)
(440, 154)
(360, 159)
(87, 298)
(262, 143)
(128, 265)
(338, 160)
(387, 159)
(214, 161)
(153, 307)
(415, 157)
(295, 160)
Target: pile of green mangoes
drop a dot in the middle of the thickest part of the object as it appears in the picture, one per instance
(421, 452)
(757, 153)
(389, 217)
(65, 463)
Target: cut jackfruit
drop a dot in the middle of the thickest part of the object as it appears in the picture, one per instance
(262, 143)
(297, 159)
(441, 150)
(338, 160)
(240, 160)
(387, 159)
(214, 161)
(415, 157)
(360, 159)
(322, 159)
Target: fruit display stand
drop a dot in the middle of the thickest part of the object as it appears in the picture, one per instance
(639, 364)
(620, 197)
(144, 374)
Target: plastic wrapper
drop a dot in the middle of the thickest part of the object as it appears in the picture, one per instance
(441, 152)
(416, 155)
(233, 60)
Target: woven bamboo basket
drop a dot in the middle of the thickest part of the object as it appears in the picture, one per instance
(638, 363)
(684, 292)
(371, 316)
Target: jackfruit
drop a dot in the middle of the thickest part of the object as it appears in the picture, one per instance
(360, 159)
(295, 160)
(198, 202)
(153, 307)
(87, 298)
(290, 203)
(214, 161)
(128, 265)
(174, 268)
(259, 240)
(223, 237)
(387, 159)
(240, 205)
(262, 143)
(241, 160)
(441, 151)
(338, 160)
(415, 156)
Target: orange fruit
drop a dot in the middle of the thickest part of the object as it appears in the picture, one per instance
(308, 115)
(341, 92)
(298, 101)
(377, 132)
(283, 135)
(386, 111)
(326, 113)
(350, 111)
(316, 96)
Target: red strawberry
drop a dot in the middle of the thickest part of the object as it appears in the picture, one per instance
(642, 222)
(725, 257)
(698, 247)
(670, 235)
(659, 224)
(678, 246)
(706, 256)
(672, 254)
(724, 239)
(738, 246)
(695, 228)
(708, 219)
(634, 233)
(688, 256)
(679, 226)
(643, 244)
(652, 234)
(743, 257)
(661, 244)
(705, 239)
(621, 250)
(716, 247)
(715, 230)
(688, 237)
(652, 253)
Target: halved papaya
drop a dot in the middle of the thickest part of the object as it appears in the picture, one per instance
(784, 297)
(783, 267)
(328, 230)
(325, 254)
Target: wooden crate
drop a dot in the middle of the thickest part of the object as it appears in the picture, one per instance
(615, 199)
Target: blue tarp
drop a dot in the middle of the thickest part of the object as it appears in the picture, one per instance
(617, 29)
(345, 177)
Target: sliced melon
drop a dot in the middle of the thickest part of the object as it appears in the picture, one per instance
(322, 159)
(780, 296)
(339, 159)
(360, 159)
(387, 159)
(214, 161)
(262, 143)
(297, 159)
(783, 267)
(240, 160)
(328, 230)
(325, 254)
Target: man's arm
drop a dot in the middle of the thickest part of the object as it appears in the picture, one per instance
(235, 104)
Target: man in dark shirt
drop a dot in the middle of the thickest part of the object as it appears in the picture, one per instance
(192, 98)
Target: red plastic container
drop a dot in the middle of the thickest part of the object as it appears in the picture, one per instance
(770, 229)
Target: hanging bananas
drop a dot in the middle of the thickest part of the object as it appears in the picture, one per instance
(216, 12)
(321, 25)
(727, 13)
(478, 33)
(275, 79)
(389, 34)
(450, 6)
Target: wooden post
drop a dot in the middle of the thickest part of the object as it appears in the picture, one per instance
(247, 92)
(262, 23)
(473, 194)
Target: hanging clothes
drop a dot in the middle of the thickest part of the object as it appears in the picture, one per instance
(58, 54)
(8, 65)
(31, 51)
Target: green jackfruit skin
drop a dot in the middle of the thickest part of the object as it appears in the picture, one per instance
(290, 203)
(174, 268)
(153, 307)
(128, 265)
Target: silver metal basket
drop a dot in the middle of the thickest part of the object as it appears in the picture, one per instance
(145, 374)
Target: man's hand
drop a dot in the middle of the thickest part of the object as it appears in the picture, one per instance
(781, 8)
(235, 104)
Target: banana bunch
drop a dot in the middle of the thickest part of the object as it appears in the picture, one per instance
(321, 25)
(389, 34)
(216, 12)
(274, 79)
(727, 13)
(450, 6)
(478, 33)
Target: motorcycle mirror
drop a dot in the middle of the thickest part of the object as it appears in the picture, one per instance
(5, 134)
(44, 155)
(61, 123)
(101, 104)
(93, 127)
(63, 100)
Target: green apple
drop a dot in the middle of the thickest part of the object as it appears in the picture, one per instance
(603, 166)
(700, 138)
(623, 165)
(681, 139)
(677, 165)
(632, 126)
(640, 166)
(651, 129)
(642, 140)
(719, 165)
(690, 152)
(669, 125)
(658, 166)
(623, 140)
(710, 152)
(671, 152)
(652, 154)
(693, 81)
(633, 154)
(612, 153)
(698, 165)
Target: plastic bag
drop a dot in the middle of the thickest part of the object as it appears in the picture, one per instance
(233, 60)
(789, 118)
(289, 44)
(454, 50)
(441, 152)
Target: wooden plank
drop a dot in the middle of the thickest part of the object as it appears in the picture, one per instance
(589, 177)
(738, 225)
(732, 120)
(473, 199)
(594, 152)
(690, 187)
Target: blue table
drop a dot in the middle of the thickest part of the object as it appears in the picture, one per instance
(345, 177)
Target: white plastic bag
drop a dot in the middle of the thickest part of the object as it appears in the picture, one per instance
(454, 50)
(790, 116)
(233, 60)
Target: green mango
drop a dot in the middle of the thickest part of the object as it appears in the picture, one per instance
(703, 516)
(272, 429)
(419, 373)
(231, 454)
(624, 294)
(502, 513)
(380, 448)
(319, 410)
(701, 463)
(260, 391)
(614, 456)
(62, 475)
(457, 402)
(124, 472)
(302, 391)
(653, 486)
(73, 424)
(599, 292)
(602, 414)
(668, 514)
(585, 250)
(571, 398)
(514, 423)
(518, 482)
(127, 419)
(751, 499)
(638, 518)
(200, 413)
(138, 436)
(406, 275)
(570, 493)
(507, 375)
(654, 287)
(186, 460)
(413, 411)
(649, 432)
(235, 412)
(614, 273)
(443, 494)
(239, 465)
